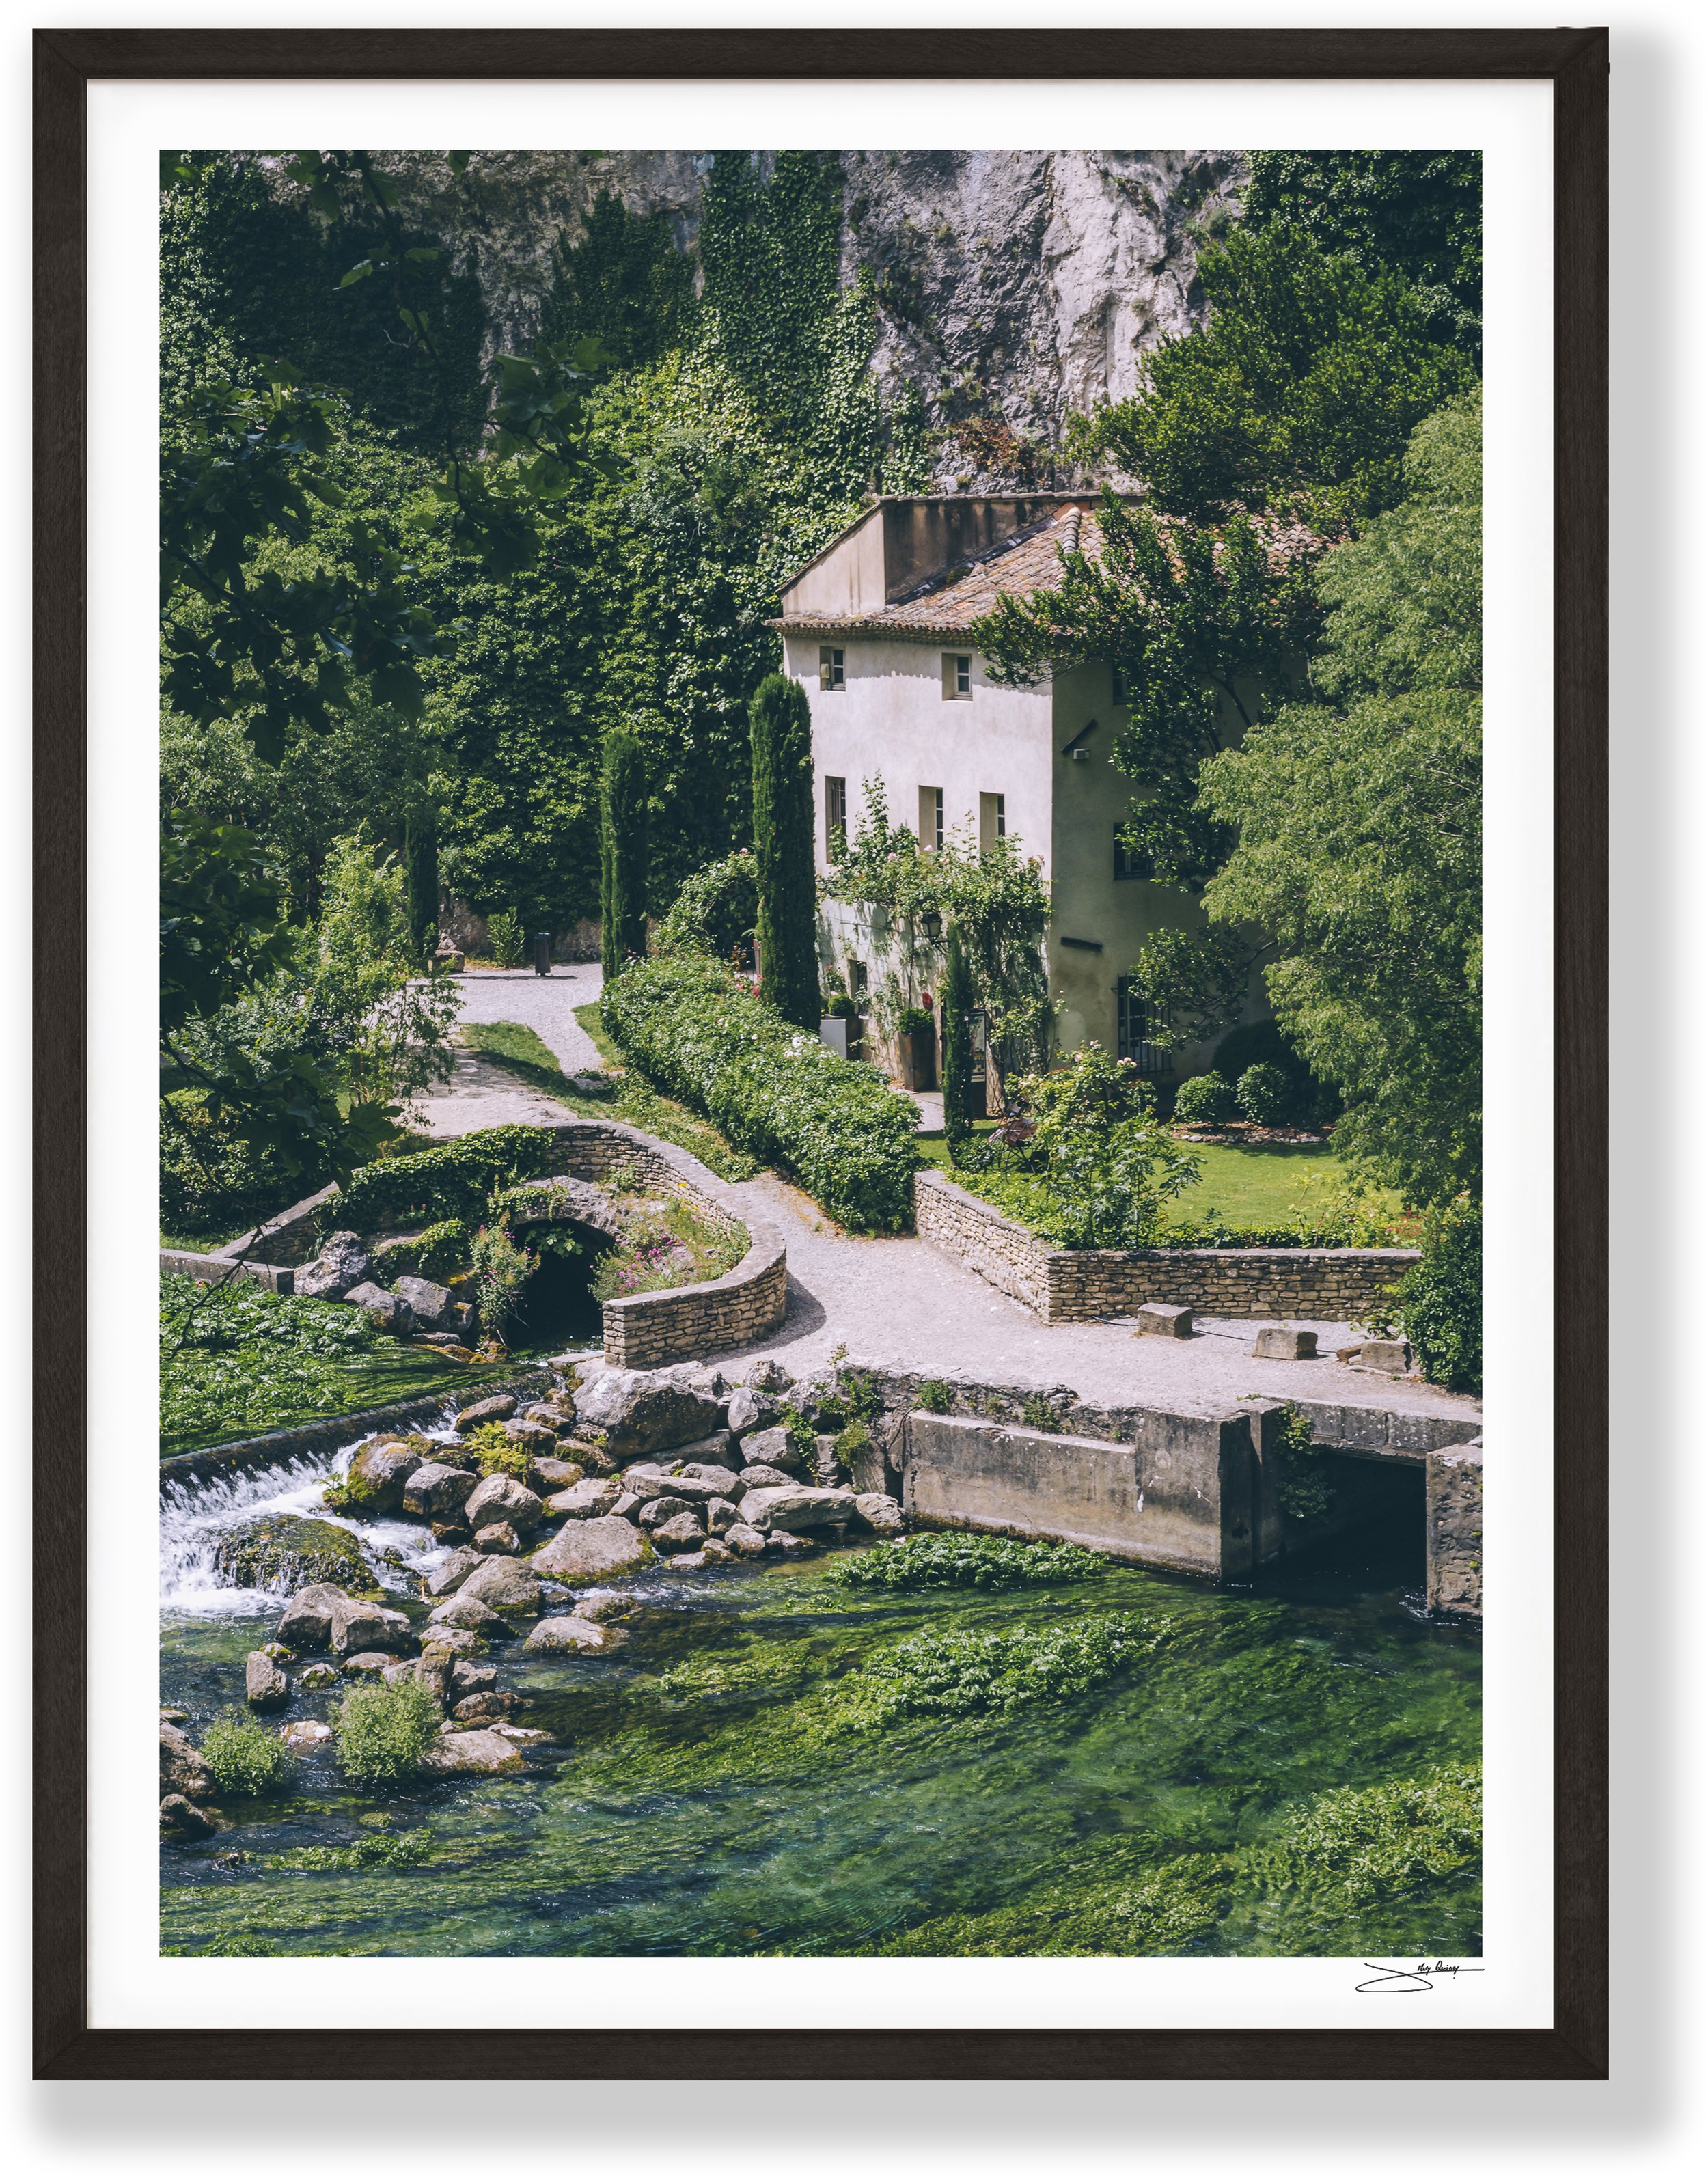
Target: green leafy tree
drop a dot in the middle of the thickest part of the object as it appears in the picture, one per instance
(622, 820)
(1108, 1167)
(782, 754)
(1299, 394)
(957, 1007)
(1359, 828)
(1415, 213)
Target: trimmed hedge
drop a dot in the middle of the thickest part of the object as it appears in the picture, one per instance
(454, 1181)
(835, 1126)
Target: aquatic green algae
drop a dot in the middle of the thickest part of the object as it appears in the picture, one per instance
(1188, 1772)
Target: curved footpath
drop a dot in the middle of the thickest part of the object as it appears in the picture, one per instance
(897, 1302)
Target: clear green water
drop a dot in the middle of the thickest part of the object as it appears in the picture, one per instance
(709, 1797)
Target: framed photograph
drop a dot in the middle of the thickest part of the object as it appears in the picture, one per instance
(835, 1341)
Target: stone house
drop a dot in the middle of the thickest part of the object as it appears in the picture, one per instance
(876, 629)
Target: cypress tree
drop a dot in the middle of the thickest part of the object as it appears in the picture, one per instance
(956, 1001)
(782, 737)
(421, 875)
(622, 853)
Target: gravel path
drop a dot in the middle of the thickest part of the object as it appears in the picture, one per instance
(897, 1302)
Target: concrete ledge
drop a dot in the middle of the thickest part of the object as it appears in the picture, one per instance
(1453, 1511)
(1060, 1284)
(221, 1269)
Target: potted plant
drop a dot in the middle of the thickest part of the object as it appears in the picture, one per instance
(915, 1035)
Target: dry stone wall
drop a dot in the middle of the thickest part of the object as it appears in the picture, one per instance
(1058, 1284)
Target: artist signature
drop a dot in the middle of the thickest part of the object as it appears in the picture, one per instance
(1413, 1979)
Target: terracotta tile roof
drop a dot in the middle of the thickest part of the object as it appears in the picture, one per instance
(1030, 560)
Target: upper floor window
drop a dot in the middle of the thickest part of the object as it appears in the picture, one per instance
(831, 678)
(1128, 863)
(957, 677)
(931, 818)
(835, 818)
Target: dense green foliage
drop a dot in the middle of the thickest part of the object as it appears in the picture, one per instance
(1440, 1303)
(782, 751)
(958, 1673)
(1207, 1099)
(715, 912)
(622, 828)
(1263, 1092)
(439, 1252)
(773, 1090)
(382, 1729)
(1417, 214)
(455, 1180)
(1359, 821)
(957, 1045)
(247, 1759)
(919, 1562)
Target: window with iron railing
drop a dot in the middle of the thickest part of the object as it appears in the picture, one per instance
(1133, 1026)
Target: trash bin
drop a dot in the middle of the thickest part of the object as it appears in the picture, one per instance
(542, 953)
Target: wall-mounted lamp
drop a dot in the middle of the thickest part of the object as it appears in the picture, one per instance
(931, 923)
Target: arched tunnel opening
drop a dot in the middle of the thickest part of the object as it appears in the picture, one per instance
(557, 1308)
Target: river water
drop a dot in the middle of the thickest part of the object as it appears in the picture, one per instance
(708, 1795)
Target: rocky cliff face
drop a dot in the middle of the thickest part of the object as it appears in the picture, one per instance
(1013, 287)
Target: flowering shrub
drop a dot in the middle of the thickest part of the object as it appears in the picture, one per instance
(833, 1125)
(672, 1247)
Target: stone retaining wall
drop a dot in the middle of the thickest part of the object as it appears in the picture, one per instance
(1059, 1284)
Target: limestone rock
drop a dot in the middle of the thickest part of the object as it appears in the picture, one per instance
(641, 1413)
(432, 1305)
(390, 1312)
(466, 1613)
(573, 1636)
(713, 1551)
(683, 1532)
(657, 1510)
(865, 1470)
(549, 1476)
(471, 1753)
(341, 1262)
(764, 1476)
(1281, 1341)
(1157, 1319)
(280, 1550)
(316, 1678)
(468, 1678)
(305, 1736)
(593, 1457)
(774, 1447)
(586, 1499)
(372, 1664)
(879, 1511)
(503, 1584)
(690, 1560)
(179, 1818)
(718, 1450)
(374, 1484)
(308, 1620)
(264, 1684)
(782, 1544)
(750, 1409)
(358, 1625)
(484, 1707)
(438, 1491)
(449, 1573)
(500, 1539)
(498, 1408)
(789, 1509)
(451, 1640)
(500, 1496)
(591, 1549)
(721, 1514)
(627, 1506)
(183, 1769)
(746, 1541)
(602, 1607)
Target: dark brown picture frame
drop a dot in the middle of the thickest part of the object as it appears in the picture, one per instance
(1574, 62)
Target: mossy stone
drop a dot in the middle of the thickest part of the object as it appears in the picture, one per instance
(286, 1553)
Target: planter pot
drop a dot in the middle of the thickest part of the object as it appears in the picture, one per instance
(841, 1034)
(918, 1052)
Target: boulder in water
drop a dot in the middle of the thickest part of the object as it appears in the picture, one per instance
(464, 1612)
(179, 1818)
(183, 1769)
(467, 1678)
(317, 1678)
(640, 1413)
(744, 1540)
(880, 1512)
(591, 1549)
(448, 1574)
(789, 1509)
(372, 1664)
(470, 1752)
(500, 1539)
(308, 1619)
(573, 1634)
(437, 1492)
(305, 1736)
(684, 1532)
(264, 1684)
(282, 1551)
(374, 1484)
(486, 1409)
(502, 1583)
(341, 1262)
(486, 1707)
(500, 1497)
(357, 1626)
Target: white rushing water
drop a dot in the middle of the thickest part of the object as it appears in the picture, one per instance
(195, 1514)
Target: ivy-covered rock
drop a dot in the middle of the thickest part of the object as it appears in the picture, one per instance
(283, 1552)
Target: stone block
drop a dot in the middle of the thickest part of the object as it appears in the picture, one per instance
(1157, 1319)
(1381, 1356)
(1277, 1341)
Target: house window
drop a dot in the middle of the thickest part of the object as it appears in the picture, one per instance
(931, 818)
(857, 978)
(992, 820)
(835, 818)
(957, 678)
(830, 670)
(1133, 1030)
(1128, 863)
(1119, 677)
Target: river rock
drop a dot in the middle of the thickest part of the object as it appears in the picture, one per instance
(431, 1305)
(471, 1753)
(881, 1512)
(586, 1500)
(721, 1514)
(175, 1714)
(486, 1707)
(573, 1634)
(689, 1560)
(179, 1818)
(469, 1678)
(341, 1262)
(452, 1532)
(316, 1678)
(501, 1583)
(550, 1415)
(549, 1476)
(457, 1454)
(763, 1477)
(264, 1684)
(183, 1769)
(280, 1550)
(453, 1639)
(719, 1450)
(500, 1539)
(466, 1613)
(374, 1484)
(684, 1532)
(372, 1664)
(774, 1447)
(387, 1309)
(641, 1413)
(437, 1492)
(500, 1496)
(534, 1436)
(499, 1408)
(750, 1409)
(627, 1506)
(358, 1625)
(746, 1541)
(601, 1608)
(788, 1545)
(591, 1549)
(658, 1510)
(714, 1551)
(591, 1454)
(789, 1509)
(519, 1734)
(449, 1573)
(308, 1620)
(305, 1735)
